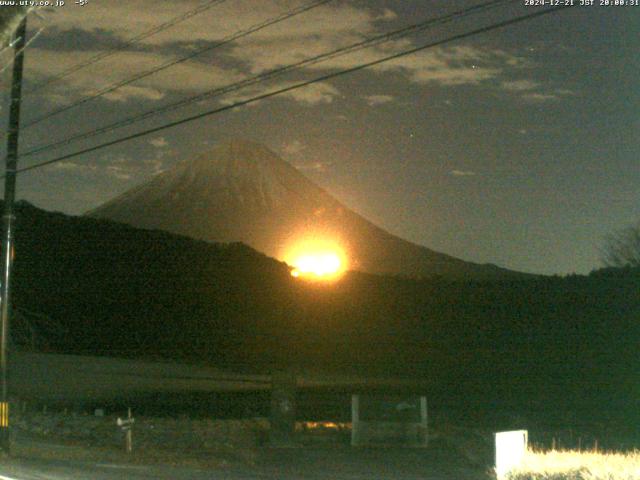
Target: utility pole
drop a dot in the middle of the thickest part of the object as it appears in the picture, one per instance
(8, 217)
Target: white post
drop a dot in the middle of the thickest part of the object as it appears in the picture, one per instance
(510, 450)
(127, 426)
(129, 441)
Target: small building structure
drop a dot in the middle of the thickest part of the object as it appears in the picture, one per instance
(389, 419)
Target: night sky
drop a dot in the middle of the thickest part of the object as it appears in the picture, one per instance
(517, 147)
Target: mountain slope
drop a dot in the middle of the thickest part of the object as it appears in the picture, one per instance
(241, 191)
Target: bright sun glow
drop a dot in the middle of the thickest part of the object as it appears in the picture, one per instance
(318, 264)
(317, 260)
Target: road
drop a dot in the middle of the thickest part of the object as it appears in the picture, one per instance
(282, 464)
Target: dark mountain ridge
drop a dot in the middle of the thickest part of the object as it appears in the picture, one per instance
(110, 289)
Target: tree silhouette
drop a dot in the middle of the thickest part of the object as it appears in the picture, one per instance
(622, 248)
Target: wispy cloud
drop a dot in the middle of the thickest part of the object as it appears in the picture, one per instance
(159, 142)
(520, 85)
(565, 92)
(374, 100)
(313, 166)
(387, 15)
(534, 92)
(540, 97)
(187, 77)
(118, 172)
(74, 167)
(450, 66)
(131, 91)
(462, 173)
(314, 94)
(293, 148)
(156, 165)
(315, 32)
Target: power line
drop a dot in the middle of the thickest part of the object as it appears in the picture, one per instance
(366, 43)
(101, 56)
(296, 86)
(171, 63)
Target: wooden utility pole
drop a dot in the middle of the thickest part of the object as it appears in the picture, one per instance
(8, 217)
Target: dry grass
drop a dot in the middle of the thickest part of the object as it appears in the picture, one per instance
(574, 465)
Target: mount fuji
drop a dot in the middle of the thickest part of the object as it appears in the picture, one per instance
(241, 191)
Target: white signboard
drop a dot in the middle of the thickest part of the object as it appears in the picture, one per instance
(510, 450)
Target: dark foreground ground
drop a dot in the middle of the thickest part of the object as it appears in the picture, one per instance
(336, 463)
(65, 444)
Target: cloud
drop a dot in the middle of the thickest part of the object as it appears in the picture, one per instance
(119, 19)
(73, 167)
(374, 100)
(293, 148)
(462, 65)
(66, 166)
(314, 94)
(159, 142)
(156, 164)
(314, 32)
(519, 85)
(313, 166)
(186, 77)
(565, 92)
(526, 89)
(121, 167)
(119, 172)
(118, 159)
(539, 97)
(310, 34)
(556, 94)
(443, 65)
(129, 92)
(462, 173)
(310, 95)
(387, 15)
